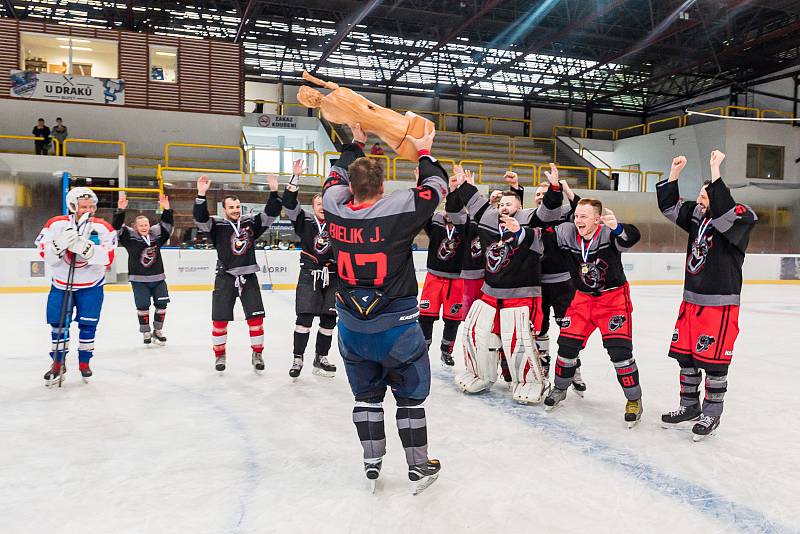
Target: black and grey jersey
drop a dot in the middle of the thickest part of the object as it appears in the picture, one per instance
(372, 242)
(144, 252)
(314, 234)
(447, 234)
(235, 241)
(596, 263)
(555, 266)
(717, 242)
(511, 262)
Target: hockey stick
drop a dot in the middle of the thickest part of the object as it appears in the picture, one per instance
(66, 308)
(269, 271)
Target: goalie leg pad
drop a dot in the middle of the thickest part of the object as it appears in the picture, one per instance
(528, 381)
(479, 359)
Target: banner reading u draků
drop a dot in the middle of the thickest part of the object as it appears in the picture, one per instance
(64, 87)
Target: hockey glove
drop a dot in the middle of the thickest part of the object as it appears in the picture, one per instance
(65, 240)
(83, 247)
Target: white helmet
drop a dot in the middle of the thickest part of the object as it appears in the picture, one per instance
(79, 193)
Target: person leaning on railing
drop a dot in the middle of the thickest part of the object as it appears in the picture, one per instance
(41, 130)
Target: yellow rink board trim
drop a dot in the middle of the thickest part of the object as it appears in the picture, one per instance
(292, 287)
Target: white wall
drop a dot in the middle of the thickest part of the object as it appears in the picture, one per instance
(145, 131)
(654, 152)
(30, 163)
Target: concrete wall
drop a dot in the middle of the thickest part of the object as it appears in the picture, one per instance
(144, 131)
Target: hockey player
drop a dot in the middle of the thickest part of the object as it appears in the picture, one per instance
(145, 266)
(511, 300)
(318, 281)
(708, 320)
(78, 248)
(380, 339)
(594, 245)
(234, 236)
(443, 287)
(557, 287)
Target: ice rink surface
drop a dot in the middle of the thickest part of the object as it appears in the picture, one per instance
(158, 442)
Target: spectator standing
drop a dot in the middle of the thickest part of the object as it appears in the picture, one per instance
(376, 150)
(41, 130)
(60, 134)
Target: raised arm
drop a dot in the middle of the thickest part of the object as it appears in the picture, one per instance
(623, 236)
(336, 187)
(167, 223)
(674, 208)
(734, 221)
(118, 221)
(551, 208)
(432, 183)
(200, 214)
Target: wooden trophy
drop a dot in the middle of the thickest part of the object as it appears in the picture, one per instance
(344, 106)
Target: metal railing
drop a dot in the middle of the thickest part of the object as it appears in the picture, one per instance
(73, 141)
(237, 149)
(33, 138)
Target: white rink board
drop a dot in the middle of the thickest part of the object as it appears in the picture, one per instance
(281, 267)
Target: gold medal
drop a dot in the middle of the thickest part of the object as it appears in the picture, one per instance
(584, 268)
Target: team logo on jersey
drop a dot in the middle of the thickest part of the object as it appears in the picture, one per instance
(322, 243)
(565, 322)
(675, 336)
(455, 308)
(593, 274)
(447, 248)
(616, 322)
(148, 256)
(499, 255)
(424, 304)
(475, 248)
(704, 342)
(699, 254)
(241, 244)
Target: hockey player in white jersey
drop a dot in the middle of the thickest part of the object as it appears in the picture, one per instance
(78, 248)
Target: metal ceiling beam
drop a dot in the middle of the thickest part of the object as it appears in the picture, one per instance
(243, 21)
(346, 27)
(9, 5)
(447, 38)
(686, 67)
(547, 39)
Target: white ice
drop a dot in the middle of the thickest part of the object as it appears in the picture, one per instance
(160, 443)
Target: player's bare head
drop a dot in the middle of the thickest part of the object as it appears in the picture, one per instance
(587, 216)
(494, 197)
(142, 225)
(232, 207)
(702, 197)
(316, 204)
(509, 203)
(539, 195)
(366, 179)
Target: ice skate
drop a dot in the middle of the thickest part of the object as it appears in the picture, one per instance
(219, 364)
(297, 366)
(159, 337)
(258, 362)
(553, 398)
(147, 338)
(578, 385)
(633, 412)
(705, 427)
(322, 367)
(678, 418)
(372, 468)
(447, 360)
(55, 375)
(423, 475)
(86, 372)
